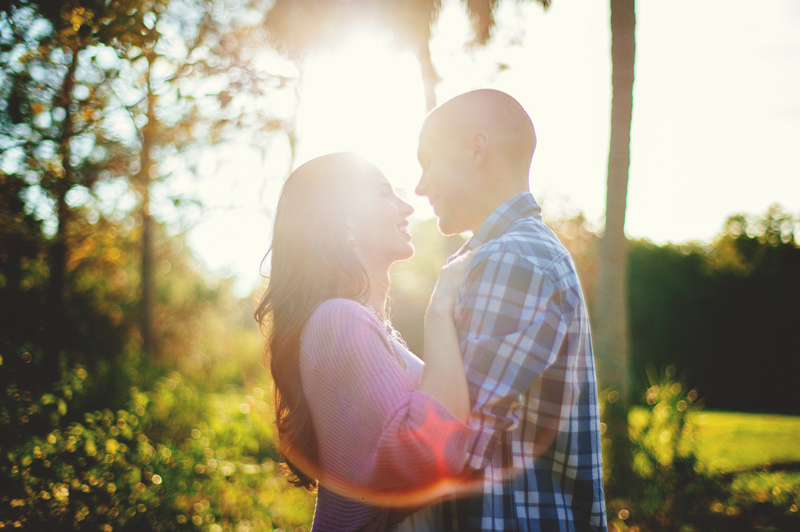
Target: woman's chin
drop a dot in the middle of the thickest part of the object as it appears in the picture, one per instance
(407, 253)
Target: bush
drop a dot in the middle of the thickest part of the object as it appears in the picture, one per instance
(670, 487)
(173, 459)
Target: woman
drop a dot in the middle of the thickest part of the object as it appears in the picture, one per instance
(358, 416)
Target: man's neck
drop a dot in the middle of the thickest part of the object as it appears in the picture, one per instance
(492, 203)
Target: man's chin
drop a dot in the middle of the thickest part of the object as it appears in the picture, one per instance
(448, 228)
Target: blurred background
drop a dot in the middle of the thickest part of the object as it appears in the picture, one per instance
(143, 145)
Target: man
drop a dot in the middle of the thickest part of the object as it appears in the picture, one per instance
(523, 327)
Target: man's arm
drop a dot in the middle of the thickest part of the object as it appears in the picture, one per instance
(512, 328)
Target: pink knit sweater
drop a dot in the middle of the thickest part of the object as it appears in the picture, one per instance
(376, 433)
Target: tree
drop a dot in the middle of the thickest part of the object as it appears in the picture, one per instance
(193, 78)
(73, 72)
(610, 327)
(302, 26)
(51, 128)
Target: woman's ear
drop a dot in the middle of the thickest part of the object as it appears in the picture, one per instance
(351, 237)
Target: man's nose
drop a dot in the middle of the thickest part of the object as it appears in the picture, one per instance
(422, 187)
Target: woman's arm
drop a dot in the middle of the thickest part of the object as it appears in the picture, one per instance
(444, 377)
(374, 430)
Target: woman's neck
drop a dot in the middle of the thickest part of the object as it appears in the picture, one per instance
(378, 289)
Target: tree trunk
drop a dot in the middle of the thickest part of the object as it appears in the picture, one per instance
(611, 312)
(56, 313)
(430, 78)
(147, 303)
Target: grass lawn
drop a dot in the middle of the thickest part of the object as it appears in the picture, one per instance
(731, 441)
(750, 476)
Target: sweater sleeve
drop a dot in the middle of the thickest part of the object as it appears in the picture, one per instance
(374, 430)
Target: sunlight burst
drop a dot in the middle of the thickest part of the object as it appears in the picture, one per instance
(366, 96)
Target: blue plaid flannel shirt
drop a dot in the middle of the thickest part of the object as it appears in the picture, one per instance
(524, 333)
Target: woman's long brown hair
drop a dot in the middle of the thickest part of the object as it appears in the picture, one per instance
(312, 261)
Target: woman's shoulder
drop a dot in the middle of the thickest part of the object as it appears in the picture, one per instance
(339, 326)
(337, 309)
(336, 314)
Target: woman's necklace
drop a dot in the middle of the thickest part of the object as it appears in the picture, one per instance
(388, 327)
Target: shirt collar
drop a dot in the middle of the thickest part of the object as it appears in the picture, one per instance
(500, 220)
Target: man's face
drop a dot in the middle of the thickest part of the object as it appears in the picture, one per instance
(447, 179)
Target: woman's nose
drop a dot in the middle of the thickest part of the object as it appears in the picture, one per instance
(406, 209)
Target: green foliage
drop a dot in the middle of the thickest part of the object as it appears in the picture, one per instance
(726, 311)
(664, 438)
(173, 459)
(137, 446)
(668, 487)
(668, 292)
(768, 498)
(704, 471)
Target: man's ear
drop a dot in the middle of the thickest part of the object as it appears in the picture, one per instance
(479, 147)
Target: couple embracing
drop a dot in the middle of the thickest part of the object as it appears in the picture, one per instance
(498, 429)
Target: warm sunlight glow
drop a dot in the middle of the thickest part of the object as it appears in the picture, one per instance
(364, 95)
(688, 168)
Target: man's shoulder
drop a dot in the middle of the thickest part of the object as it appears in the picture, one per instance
(529, 239)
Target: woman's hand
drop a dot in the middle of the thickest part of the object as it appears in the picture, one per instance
(443, 376)
(452, 276)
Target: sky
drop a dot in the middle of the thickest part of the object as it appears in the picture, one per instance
(715, 132)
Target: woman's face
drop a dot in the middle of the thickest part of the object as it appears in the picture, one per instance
(379, 222)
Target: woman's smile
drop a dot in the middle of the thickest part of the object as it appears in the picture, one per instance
(403, 228)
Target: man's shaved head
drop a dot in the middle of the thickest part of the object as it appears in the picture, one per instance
(494, 113)
(475, 152)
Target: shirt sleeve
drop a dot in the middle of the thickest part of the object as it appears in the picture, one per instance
(512, 327)
(374, 430)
